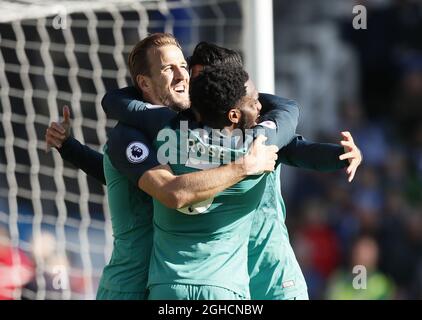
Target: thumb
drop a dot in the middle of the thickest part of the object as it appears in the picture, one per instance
(66, 115)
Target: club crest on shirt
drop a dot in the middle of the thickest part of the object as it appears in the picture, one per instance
(136, 152)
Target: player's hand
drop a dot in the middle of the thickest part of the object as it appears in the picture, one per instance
(260, 158)
(57, 133)
(352, 153)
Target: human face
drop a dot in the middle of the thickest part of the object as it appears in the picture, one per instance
(169, 77)
(250, 107)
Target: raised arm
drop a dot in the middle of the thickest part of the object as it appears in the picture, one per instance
(126, 105)
(81, 156)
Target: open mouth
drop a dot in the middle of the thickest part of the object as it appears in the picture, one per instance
(181, 88)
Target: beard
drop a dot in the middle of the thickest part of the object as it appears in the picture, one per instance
(179, 106)
(174, 101)
(246, 120)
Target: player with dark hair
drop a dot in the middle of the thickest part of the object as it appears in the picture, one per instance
(205, 256)
(213, 98)
(209, 54)
(124, 104)
(133, 173)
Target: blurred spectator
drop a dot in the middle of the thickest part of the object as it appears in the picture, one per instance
(320, 239)
(52, 276)
(393, 33)
(400, 239)
(384, 115)
(314, 280)
(368, 198)
(376, 286)
(407, 109)
(342, 216)
(16, 269)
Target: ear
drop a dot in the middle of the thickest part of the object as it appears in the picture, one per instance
(234, 115)
(144, 83)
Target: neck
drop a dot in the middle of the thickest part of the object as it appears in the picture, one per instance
(151, 99)
(230, 128)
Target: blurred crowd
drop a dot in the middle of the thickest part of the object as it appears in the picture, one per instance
(377, 220)
(41, 271)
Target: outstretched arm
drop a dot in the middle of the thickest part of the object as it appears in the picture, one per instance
(81, 156)
(323, 157)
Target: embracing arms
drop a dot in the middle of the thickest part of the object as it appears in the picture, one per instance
(178, 191)
(132, 155)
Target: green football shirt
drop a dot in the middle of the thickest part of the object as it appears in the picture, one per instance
(273, 267)
(126, 157)
(274, 271)
(206, 243)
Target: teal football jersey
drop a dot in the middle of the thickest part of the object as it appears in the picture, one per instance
(206, 243)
